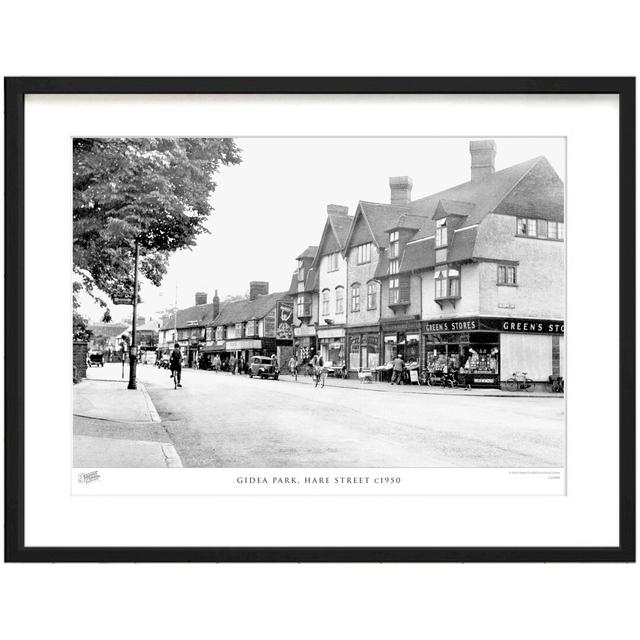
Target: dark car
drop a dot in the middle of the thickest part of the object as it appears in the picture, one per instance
(95, 359)
(263, 367)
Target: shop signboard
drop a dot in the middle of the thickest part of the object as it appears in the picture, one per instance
(270, 324)
(506, 325)
(284, 320)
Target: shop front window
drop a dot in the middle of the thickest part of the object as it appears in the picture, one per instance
(390, 347)
(354, 352)
(373, 355)
(476, 353)
(332, 351)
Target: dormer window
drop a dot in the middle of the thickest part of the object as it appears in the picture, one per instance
(394, 266)
(394, 245)
(441, 232)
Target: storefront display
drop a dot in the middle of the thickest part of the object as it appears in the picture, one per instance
(332, 351)
(476, 353)
(363, 351)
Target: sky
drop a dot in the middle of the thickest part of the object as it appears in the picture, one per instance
(270, 207)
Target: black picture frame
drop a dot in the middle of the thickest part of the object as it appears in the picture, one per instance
(15, 91)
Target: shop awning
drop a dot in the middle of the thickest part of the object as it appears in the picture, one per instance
(215, 348)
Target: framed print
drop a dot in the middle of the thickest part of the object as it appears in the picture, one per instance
(320, 319)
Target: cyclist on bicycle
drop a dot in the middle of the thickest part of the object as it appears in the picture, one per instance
(318, 369)
(175, 364)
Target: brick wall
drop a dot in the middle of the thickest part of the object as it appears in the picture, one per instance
(79, 360)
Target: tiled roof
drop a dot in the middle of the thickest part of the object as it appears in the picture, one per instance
(198, 315)
(340, 224)
(452, 208)
(242, 310)
(309, 252)
(108, 329)
(379, 218)
(485, 194)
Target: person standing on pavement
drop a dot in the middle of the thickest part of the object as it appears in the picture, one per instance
(175, 364)
(398, 368)
(232, 364)
(240, 365)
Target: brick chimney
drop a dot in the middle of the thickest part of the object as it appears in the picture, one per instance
(400, 189)
(216, 304)
(201, 298)
(258, 288)
(483, 155)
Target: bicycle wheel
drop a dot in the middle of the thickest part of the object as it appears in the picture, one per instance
(529, 385)
(511, 384)
(549, 387)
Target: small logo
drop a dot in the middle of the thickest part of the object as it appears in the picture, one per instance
(90, 476)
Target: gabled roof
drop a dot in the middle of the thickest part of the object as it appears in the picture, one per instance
(198, 315)
(379, 218)
(337, 228)
(309, 252)
(243, 310)
(452, 208)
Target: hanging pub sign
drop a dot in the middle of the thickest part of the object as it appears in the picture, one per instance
(505, 325)
(284, 320)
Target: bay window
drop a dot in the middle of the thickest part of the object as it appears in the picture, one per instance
(394, 290)
(447, 282)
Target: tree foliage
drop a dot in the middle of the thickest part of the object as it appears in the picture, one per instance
(155, 190)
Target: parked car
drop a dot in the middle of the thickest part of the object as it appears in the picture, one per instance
(95, 358)
(263, 367)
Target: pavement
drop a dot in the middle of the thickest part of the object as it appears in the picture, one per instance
(538, 392)
(117, 427)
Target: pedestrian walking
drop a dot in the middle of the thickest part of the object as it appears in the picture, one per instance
(398, 369)
(240, 365)
(293, 367)
(466, 371)
(175, 364)
(232, 364)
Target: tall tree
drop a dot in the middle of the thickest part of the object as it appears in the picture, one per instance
(154, 190)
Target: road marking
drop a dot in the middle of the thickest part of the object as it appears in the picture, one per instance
(155, 416)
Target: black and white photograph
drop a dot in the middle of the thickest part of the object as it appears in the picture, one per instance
(319, 303)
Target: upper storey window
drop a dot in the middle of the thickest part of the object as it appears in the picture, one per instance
(544, 229)
(441, 232)
(301, 271)
(363, 253)
(332, 262)
(325, 302)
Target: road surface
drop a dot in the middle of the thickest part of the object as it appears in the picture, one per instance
(220, 420)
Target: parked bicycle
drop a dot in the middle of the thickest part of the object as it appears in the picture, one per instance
(555, 384)
(520, 382)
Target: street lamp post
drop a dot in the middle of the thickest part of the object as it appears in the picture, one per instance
(133, 348)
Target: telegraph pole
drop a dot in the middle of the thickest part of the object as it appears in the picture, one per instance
(133, 349)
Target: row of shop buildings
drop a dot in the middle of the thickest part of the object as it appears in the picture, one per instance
(472, 276)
